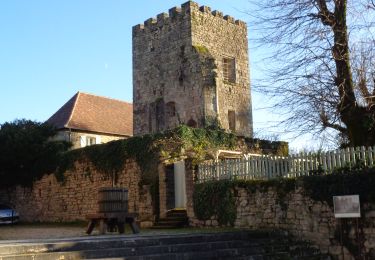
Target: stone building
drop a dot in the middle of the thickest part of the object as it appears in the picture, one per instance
(191, 67)
(88, 119)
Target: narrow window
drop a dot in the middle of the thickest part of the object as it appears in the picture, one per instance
(171, 109)
(150, 113)
(229, 69)
(160, 114)
(232, 120)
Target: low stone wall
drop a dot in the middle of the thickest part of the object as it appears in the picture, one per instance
(304, 218)
(49, 200)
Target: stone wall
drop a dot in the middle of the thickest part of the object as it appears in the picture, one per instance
(301, 216)
(224, 37)
(161, 48)
(49, 200)
(178, 71)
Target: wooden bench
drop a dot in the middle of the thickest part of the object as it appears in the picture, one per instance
(111, 221)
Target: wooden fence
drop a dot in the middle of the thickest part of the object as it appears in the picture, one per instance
(267, 167)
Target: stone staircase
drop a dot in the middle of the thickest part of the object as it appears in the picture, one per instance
(175, 218)
(228, 245)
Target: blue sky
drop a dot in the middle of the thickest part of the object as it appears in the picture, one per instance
(49, 50)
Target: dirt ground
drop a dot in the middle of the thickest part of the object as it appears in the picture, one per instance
(40, 231)
(69, 230)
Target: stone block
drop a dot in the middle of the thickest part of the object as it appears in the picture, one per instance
(291, 214)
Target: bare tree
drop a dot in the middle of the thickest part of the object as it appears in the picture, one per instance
(322, 64)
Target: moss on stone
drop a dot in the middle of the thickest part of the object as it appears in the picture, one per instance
(201, 49)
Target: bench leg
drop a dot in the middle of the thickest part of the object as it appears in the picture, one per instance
(133, 225)
(112, 225)
(90, 226)
(121, 227)
(102, 227)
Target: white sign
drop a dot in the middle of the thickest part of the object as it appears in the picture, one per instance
(347, 206)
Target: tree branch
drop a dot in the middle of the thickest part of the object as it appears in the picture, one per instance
(327, 17)
(326, 123)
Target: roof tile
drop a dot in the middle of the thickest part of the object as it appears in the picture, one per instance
(93, 113)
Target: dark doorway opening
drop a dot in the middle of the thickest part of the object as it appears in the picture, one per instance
(192, 123)
(169, 184)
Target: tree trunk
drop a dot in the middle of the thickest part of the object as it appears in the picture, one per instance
(358, 120)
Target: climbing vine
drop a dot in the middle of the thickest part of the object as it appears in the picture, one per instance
(215, 199)
(342, 181)
(147, 150)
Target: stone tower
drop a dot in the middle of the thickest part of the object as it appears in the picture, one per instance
(191, 67)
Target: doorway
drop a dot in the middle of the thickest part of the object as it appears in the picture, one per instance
(175, 185)
(179, 184)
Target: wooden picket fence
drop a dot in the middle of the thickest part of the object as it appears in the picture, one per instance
(267, 166)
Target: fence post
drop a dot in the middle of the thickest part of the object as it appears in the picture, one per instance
(292, 166)
(266, 166)
(363, 155)
(371, 156)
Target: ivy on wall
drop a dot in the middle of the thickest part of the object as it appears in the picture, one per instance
(148, 150)
(216, 199)
(343, 181)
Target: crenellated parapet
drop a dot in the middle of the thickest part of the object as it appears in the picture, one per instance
(190, 66)
(184, 11)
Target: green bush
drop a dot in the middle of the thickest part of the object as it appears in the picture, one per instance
(215, 199)
(27, 153)
(147, 150)
(343, 181)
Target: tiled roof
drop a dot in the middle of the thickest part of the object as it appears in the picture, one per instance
(93, 113)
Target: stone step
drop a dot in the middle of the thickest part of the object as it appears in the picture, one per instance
(226, 245)
(129, 254)
(147, 248)
(174, 219)
(169, 224)
(125, 240)
(156, 227)
(212, 255)
(280, 256)
(177, 213)
(171, 221)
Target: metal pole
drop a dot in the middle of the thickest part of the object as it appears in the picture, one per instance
(358, 241)
(342, 247)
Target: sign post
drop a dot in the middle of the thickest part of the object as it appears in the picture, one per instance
(347, 206)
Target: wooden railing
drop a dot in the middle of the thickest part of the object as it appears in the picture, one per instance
(267, 166)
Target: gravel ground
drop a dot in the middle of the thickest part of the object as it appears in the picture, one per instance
(40, 231)
(57, 230)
